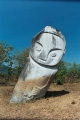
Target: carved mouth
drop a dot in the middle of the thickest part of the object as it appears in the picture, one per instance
(43, 60)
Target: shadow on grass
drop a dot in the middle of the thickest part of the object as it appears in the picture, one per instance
(55, 93)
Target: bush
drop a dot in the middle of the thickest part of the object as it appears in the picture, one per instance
(59, 82)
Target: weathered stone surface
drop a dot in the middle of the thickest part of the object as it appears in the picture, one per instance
(46, 51)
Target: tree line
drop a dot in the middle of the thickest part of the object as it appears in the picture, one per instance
(11, 64)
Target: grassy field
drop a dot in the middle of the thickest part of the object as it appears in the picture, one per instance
(61, 102)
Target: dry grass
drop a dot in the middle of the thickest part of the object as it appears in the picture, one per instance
(62, 102)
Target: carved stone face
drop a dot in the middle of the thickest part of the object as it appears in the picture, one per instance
(47, 48)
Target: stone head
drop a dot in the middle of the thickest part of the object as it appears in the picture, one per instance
(48, 46)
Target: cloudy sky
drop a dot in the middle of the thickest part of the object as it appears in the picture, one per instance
(20, 20)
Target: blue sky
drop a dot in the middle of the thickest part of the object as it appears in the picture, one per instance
(21, 20)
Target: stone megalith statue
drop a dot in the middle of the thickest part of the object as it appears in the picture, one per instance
(47, 49)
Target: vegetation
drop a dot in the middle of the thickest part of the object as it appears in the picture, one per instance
(12, 63)
(68, 72)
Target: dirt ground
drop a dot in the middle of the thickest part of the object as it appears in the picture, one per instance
(62, 102)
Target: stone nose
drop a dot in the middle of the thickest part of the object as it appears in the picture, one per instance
(43, 56)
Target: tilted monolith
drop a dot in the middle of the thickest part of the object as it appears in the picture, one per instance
(47, 49)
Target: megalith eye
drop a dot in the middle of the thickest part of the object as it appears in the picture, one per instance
(38, 47)
(53, 55)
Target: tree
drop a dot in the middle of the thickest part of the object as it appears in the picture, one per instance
(62, 71)
(5, 56)
(6, 60)
(20, 60)
(4, 52)
(74, 72)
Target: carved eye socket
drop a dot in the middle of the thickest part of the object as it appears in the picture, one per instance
(53, 55)
(38, 47)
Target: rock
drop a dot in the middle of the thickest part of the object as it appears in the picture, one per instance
(47, 49)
